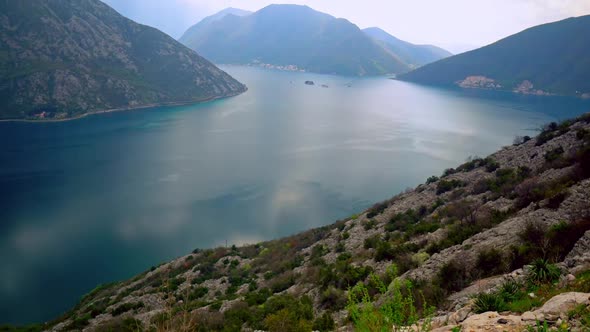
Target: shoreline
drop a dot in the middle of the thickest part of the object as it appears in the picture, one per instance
(125, 109)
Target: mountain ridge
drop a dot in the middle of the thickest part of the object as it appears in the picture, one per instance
(61, 60)
(550, 58)
(294, 35)
(412, 54)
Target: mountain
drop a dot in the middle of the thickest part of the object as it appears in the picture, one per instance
(479, 238)
(549, 58)
(191, 35)
(285, 35)
(65, 58)
(413, 55)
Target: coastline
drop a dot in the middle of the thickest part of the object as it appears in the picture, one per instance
(124, 109)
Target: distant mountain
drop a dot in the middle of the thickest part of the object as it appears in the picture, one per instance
(550, 58)
(192, 33)
(61, 59)
(293, 35)
(413, 55)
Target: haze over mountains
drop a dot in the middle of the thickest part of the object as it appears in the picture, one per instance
(413, 55)
(60, 59)
(549, 58)
(284, 35)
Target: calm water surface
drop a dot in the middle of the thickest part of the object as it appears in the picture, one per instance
(105, 197)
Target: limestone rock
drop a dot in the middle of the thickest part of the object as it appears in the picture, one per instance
(559, 305)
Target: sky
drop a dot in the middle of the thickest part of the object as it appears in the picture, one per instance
(457, 25)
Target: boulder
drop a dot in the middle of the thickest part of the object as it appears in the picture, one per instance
(559, 305)
(492, 321)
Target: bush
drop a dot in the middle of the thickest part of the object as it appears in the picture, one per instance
(372, 241)
(324, 323)
(319, 250)
(488, 302)
(198, 293)
(443, 186)
(282, 282)
(286, 321)
(333, 299)
(431, 179)
(448, 171)
(126, 307)
(369, 224)
(510, 290)
(490, 262)
(554, 154)
(377, 209)
(128, 324)
(541, 271)
(454, 276)
(258, 298)
(397, 307)
(401, 221)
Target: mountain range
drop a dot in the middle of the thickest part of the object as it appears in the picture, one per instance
(552, 58)
(291, 35)
(62, 59)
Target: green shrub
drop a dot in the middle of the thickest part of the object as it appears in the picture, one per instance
(128, 324)
(377, 209)
(282, 282)
(126, 307)
(257, 298)
(444, 185)
(490, 262)
(333, 299)
(454, 276)
(369, 224)
(431, 179)
(319, 250)
(402, 221)
(541, 271)
(286, 321)
(372, 241)
(554, 154)
(324, 323)
(448, 171)
(491, 165)
(510, 290)
(488, 302)
(397, 309)
(198, 293)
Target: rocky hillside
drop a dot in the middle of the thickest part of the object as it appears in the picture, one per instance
(497, 244)
(63, 58)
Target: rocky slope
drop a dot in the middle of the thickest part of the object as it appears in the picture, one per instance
(64, 58)
(496, 244)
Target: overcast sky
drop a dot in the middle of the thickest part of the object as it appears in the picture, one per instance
(454, 24)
